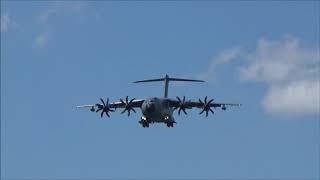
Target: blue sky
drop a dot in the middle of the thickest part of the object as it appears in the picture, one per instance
(56, 55)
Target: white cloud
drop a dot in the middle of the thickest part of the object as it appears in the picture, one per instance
(4, 22)
(222, 58)
(56, 10)
(226, 56)
(59, 8)
(292, 73)
(276, 61)
(301, 97)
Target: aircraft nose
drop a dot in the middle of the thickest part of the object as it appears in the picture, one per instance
(151, 107)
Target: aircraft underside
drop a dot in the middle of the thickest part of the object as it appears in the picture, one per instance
(145, 123)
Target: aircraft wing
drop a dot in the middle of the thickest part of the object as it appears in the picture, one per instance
(205, 105)
(106, 107)
(135, 104)
(192, 104)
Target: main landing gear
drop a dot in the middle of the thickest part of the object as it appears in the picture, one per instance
(170, 123)
(144, 122)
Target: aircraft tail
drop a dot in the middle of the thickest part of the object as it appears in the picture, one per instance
(166, 80)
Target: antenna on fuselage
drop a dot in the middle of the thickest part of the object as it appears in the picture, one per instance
(166, 80)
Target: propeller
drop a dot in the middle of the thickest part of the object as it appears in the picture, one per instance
(181, 105)
(128, 105)
(206, 106)
(104, 107)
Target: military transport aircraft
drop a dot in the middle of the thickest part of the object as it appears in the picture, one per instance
(158, 109)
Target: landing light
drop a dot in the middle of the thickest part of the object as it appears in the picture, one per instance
(166, 118)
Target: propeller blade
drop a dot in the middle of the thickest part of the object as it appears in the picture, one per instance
(104, 107)
(132, 100)
(133, 110)
(206, 106)
(179, 111)
(184, 111)
(200, 101)
(128, 112)
(102, 102)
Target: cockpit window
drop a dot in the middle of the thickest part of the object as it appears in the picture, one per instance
(154, 99)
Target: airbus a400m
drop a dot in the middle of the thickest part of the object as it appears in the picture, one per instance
(158, 109)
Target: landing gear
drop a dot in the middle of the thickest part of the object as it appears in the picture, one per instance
(170, 123)
(144, 123)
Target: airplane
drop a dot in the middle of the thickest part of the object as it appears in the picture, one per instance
(158, 109)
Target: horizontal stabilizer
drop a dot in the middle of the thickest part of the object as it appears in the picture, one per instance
(149, 80)
(166, 80)
(179, 79)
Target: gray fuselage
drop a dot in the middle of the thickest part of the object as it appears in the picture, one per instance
(157, 110)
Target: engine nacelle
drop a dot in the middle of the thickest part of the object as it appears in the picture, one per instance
(92, 109)
(223, 107)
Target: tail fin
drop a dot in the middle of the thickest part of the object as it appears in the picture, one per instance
(166, 80)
